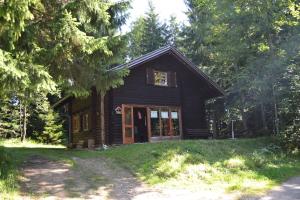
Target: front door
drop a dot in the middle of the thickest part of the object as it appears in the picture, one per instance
(140, 124)
(127, 124)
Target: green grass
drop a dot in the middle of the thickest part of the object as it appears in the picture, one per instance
(248, 166)
(12, 154)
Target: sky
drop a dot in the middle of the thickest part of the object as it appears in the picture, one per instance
(165, 8)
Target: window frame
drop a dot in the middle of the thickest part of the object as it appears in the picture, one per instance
(85, 122)
(171, 131)
(76, 123)
(164, 75)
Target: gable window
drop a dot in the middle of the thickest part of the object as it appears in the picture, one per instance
(76, 123)
(160, 78)
(85, 122)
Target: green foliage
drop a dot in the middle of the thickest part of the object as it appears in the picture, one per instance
(53, 130)
(45, 124)
(291, 137)
(58, 42)
(148, 33)
(248, 47)
(51, 46)
(9, 118)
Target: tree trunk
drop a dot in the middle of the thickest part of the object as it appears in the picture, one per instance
(244, 115)
(275, 112)
(23, 137)
(20, 119)
(263, 116)
(102, 118)
(244, 119)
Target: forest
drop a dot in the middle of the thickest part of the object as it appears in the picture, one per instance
(53, 48)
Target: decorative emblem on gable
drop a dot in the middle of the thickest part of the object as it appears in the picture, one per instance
(118, 110)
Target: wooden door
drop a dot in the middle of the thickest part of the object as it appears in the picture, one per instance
(127, 124)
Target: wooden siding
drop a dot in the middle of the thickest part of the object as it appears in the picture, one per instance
(80, 106)
(91, 105)
(190, 94)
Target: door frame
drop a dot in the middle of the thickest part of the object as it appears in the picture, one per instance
(148, 109)
(124, 125)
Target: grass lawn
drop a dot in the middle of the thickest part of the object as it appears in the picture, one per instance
(247, 166)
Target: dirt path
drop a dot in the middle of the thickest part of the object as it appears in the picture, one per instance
(289, 190)
(95, 179)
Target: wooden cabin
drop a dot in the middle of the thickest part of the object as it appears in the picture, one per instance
(163, 97)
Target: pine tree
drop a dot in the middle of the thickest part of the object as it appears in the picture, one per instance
(135, 38)
(44, 44)
(53, 129)
(45, 124)
(173, 33)
(147, 34)
(9, 118)
(241, 45)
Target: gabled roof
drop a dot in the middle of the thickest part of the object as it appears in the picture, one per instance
(171, 50)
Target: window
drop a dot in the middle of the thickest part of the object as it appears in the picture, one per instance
(155, 126)
(160, 78)
(164, 122)
(175, 122)
(85, 122)
(76, 123)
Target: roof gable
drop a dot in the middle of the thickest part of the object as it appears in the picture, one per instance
(178, 55)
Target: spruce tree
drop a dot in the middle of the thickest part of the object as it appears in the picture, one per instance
(9, 118)
(53, 129)
(147, 34)
(44, 44)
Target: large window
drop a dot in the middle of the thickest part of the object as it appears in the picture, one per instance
(160, 78)
(164, 122)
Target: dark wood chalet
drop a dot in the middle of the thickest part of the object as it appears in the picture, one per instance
(163, 97)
